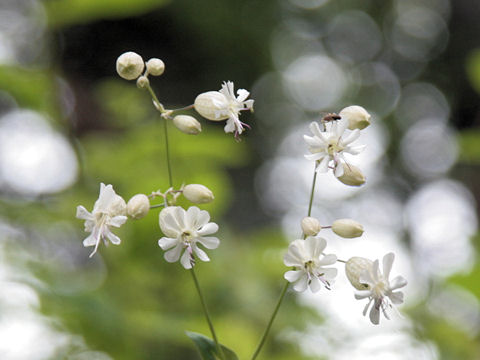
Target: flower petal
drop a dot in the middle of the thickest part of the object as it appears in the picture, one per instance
(117, 221)
(396, 297)
(186, 260)
(301, 284)
(208, 229)
(387, 265)
(209, 242)
(315, 285)
(82, 213)
(167, 243)
(200, 253)
(375, 314)
(114, 239)
(398, 282)
(173, 254)
(328, 260)
(293, 275)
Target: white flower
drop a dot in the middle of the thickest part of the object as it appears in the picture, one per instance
(109, 210)
(331, 145)
(380, 290)
(183, 230)
(223, 105)
(308, 259)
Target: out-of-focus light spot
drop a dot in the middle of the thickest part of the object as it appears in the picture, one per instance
(315, 82)
(429, 149)
(34, 159)
(458, 306)
(419, 33)
(28, 337)
(378, 88)
(421, 101)
(353, 36)
(441, 218)
(292, 40)
(309, 4)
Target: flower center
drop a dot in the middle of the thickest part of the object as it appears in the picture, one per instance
(334, 146)
(379, 289)
(187, 236)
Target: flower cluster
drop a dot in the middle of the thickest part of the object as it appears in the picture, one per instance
(187, 232)
(332, 139)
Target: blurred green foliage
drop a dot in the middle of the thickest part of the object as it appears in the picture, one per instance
(68, 12)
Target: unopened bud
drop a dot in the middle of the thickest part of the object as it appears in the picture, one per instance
(187, 124)
(347, 228)
(357, 116)
(352, 176)
(310, 226)
(130, 65)
(138, 206)
(155, 67)
(198, 194)
(142, 82)
(355, 268)
(212, 105)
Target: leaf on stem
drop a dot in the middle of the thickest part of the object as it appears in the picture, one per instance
(208, 349)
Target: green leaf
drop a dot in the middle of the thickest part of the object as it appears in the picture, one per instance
(207, 347)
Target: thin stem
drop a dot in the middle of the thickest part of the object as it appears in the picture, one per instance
(282, 295)
(163, 112)
(207, 316)
(167, 149)
(156, 206)
(272, 318)
(312, 193)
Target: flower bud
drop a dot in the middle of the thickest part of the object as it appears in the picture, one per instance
(155, 67)
(352, 176)
(347, 228)
(212, 105)
(198, 194)
(138, 206)
(357, 116)
(310, 226)
(354, 268)
(130, 65)
(187, 124)
(142, 82)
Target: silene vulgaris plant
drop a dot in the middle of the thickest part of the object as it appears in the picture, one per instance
(189, 234)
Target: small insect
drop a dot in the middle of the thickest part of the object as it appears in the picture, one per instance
(330, 117)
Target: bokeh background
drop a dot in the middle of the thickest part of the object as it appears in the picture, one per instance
(68, 122)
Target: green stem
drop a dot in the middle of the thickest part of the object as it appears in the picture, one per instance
(312, 193)
(167, 149)
(156, 206)
(165, 127)
(207, 316)
(272, 318)
(282, 295)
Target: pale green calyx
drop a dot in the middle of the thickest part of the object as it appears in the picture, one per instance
(352, 176)
(143, 82)
(347, 228)
(187, 124)
(155, 67)
(130, 65)
(357, 116)
(138, 206)
(198, 194)
(354, 268)
(310, 226)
